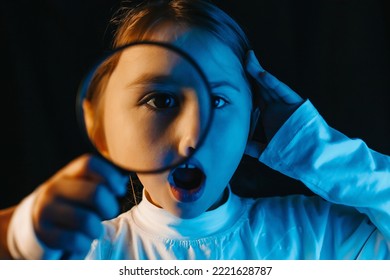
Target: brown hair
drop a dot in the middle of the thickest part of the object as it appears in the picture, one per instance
(139, 20)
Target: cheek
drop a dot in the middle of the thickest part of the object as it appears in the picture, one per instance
(118, 131)
(127, 143)
(131, 137)
(228, 139)
(231, 125)
(234, 129)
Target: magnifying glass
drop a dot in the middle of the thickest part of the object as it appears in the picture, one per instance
(145, 107)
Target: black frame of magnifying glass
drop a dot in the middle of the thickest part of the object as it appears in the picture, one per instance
(86, 81)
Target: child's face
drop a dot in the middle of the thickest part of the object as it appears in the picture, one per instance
(217, 159)
(154, 107)
(189, 190)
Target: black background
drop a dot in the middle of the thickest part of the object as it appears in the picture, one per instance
(334, 52)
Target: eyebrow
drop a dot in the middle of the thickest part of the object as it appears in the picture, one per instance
(150, 78)
(223, 84)
(163, 79)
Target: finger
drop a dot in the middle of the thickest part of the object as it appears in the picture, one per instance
(280, 91)
(95, 169)
(68, 217)
(104, 202)
(95, 196)
(264, 81)
(253, 66)
(274, 90)
(254, 149)
(116, 181)
(255, 70)
(66, 240)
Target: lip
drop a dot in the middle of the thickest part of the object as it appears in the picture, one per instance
(183, 195)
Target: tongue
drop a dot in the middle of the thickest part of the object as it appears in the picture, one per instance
(187, 178)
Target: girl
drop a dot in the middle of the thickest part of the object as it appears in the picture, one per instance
(349, 219)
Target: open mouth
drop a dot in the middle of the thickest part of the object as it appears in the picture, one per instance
(187, 177)
(186, 181)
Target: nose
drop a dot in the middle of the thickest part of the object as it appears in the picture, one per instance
(187, 145)
(189, 130)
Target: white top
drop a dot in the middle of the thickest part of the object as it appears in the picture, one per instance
(350, 221)
(293, 227)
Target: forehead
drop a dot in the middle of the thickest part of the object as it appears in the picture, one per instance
(216, 59)
(143, 65)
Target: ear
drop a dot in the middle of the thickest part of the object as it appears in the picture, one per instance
(88, 115)
(254, 119)
(94, 128)
(253, 147)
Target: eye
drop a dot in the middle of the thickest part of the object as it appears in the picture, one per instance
(161, 101)
(218, 102)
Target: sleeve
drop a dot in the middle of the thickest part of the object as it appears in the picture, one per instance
(339, 169)
(22, 241)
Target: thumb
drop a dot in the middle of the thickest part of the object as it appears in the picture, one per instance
(273, 89)
(254, 149)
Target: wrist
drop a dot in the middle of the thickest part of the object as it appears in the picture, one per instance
(22, 241)
(5, 218)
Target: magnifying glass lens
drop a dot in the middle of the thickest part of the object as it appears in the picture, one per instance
(146, 107)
